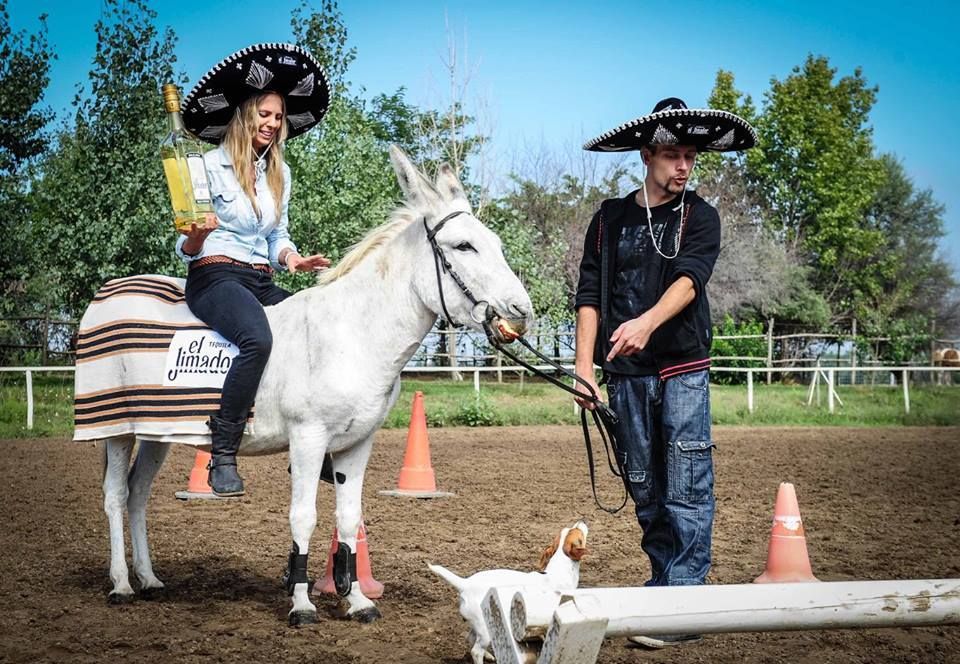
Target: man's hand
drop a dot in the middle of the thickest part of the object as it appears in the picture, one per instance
(297, 263)
(631, 337)
(197, 235)
(586, 402)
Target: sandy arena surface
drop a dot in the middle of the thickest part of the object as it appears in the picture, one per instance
(876, 504)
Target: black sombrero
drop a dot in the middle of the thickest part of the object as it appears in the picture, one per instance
(672, 123)
(286, 69)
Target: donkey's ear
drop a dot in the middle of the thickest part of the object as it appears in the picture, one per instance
(448, 184)
(416, 188)
(406, 172)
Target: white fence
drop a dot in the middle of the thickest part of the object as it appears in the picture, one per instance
(826, 375)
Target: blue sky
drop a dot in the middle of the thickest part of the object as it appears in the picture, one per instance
(558, 73)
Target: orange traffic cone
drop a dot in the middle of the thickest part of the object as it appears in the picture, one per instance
(416, 476)
(369, 586)
(197, 487)
(787, 559)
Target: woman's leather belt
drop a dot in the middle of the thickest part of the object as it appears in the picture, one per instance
(211, 260)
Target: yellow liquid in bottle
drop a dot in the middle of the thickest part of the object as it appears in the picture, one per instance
(181, 193)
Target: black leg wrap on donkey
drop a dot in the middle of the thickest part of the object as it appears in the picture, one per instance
(344, 569)
(296, 570)
(326, 471)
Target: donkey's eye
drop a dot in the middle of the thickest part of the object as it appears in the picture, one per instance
(465, 246)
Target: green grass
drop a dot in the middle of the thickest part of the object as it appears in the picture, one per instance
(450, 403)
(52, 405)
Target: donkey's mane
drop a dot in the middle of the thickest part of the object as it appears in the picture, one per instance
(400, 218)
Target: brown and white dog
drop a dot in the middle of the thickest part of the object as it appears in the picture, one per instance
(559, 570)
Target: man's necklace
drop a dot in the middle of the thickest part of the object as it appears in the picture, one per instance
(653, 238)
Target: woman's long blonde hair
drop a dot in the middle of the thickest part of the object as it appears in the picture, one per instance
(238, 140)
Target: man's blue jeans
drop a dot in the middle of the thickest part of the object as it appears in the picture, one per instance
(667, 455)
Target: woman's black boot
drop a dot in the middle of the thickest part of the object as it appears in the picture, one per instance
(225, 441)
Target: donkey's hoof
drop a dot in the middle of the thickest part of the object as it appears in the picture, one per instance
(303, 617)
(153, 594)
(115, 599)
(367, 615)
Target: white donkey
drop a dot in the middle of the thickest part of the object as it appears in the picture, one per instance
(334, 373)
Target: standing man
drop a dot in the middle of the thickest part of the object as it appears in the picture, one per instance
(643, 316)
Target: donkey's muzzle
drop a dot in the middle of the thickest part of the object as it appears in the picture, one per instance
(506, 330)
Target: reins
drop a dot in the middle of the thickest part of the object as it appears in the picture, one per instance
(604, 418)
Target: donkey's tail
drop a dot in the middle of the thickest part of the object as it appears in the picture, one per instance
(448, 576)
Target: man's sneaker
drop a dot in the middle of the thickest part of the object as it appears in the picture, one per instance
(665, 640)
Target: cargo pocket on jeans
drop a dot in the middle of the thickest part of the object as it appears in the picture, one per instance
(691, 471)
(639, 481)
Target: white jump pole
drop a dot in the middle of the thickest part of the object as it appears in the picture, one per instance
(749, 391)
(766, 607)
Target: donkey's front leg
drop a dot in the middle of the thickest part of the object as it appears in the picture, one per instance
(349, 467)
(306, 459)
(116, 461)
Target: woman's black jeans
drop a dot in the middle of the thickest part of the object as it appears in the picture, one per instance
(230, 299)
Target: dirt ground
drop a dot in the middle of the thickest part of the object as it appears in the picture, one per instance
(876, 504)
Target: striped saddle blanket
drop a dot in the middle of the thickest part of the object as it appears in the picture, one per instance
(146, 365)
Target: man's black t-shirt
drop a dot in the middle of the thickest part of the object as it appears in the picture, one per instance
(637, 274)
(622, 276)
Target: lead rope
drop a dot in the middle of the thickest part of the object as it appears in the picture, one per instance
(604, 418)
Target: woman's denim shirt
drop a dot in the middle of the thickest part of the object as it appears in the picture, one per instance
(240, 235)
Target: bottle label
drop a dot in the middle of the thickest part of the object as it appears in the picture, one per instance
(198, 178)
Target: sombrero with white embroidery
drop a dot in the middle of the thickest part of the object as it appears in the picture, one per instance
(672, 123)
(286, 69)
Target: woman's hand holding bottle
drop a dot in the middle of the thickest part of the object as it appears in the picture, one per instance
(196, 235)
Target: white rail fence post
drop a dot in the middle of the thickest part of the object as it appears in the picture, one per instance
(830, 391)
(750, 391)
(29, 399)
(906, 391)
(769, 350)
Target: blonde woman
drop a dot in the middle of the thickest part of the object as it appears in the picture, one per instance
(247, 105)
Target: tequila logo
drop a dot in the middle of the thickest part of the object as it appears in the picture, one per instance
(198, 358)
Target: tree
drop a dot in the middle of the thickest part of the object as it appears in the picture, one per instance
(814, 168)
(725, 97)
(343, 184)
(103, 210)
(543, 217)
(24, 75)
(755, 274)
(909, 280)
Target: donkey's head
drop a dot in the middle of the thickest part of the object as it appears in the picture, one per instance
(475, 284)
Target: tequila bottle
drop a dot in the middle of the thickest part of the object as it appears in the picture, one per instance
(182, 156)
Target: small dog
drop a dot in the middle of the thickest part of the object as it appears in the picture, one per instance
(559, 570)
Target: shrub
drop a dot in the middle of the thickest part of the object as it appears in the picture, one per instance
(478, 412)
